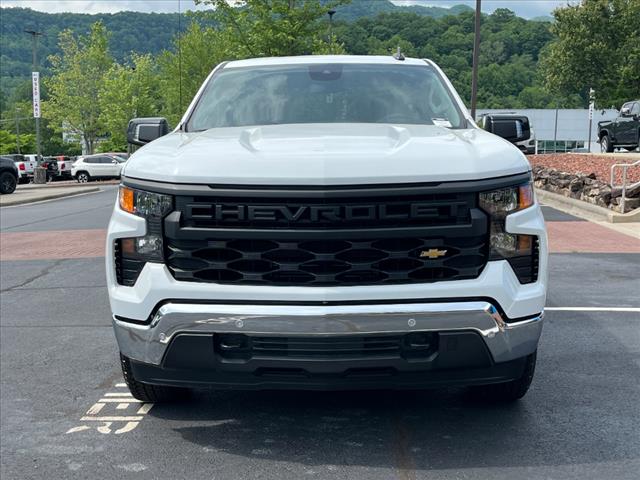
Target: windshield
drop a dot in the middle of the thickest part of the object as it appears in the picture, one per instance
(326, 93)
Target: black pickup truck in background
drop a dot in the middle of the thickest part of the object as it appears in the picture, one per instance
(624, 131)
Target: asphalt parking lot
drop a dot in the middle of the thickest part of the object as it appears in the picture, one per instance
(64, 412)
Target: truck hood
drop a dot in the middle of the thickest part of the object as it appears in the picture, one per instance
(326, 154)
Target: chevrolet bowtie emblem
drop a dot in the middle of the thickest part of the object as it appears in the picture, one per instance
(433, 253)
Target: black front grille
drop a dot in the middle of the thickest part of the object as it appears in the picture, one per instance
(327, 262)
(330, 240)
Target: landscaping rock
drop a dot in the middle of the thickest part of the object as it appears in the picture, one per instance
(585, 187)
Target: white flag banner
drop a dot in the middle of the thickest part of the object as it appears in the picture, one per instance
(35, 77)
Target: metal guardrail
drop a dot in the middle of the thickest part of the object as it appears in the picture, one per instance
(623, 185)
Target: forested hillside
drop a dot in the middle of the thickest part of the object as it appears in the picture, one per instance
(131, 31)
(135, 31)
(128, 64)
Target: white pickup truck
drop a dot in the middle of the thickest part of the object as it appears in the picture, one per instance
(326, 222)
(26, 165)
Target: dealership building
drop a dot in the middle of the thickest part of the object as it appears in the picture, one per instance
(561, 130)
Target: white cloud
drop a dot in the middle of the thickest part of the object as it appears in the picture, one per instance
(102, 6)
(523, 8)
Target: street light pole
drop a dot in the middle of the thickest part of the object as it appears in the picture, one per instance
(34, 45)
(476, 55)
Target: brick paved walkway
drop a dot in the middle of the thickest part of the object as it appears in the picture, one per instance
(52, 244)
(564, 237)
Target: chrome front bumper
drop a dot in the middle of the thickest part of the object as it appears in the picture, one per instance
(506, 341)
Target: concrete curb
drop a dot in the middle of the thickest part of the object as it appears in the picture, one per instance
(585, 210)
(33, 186)
(8, 202)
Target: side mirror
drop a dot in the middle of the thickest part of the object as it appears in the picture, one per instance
(512, 128)
(144, 130)
(625, 112)
(114, 161)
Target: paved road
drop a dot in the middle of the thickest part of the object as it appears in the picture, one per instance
(581, 419)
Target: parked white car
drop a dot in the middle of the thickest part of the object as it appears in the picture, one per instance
(97, 166)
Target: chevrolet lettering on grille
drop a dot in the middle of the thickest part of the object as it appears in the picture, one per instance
(313, 213)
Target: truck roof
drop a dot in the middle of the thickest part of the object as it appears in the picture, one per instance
(311, 59)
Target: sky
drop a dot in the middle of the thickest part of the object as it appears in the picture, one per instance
(523, 8)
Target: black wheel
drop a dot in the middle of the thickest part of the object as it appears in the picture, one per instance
(83, 177)
(150, 393)
(605, 144)
(7, 183)
(508, 391)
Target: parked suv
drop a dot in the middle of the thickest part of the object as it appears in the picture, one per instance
(624, 131)
(326, 222)
(97, 166)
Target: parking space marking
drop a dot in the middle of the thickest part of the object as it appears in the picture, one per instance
(99, 416)
(594, 309)
(110, 419)
(120, 400)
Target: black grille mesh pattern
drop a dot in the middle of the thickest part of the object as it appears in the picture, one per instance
(327, 262)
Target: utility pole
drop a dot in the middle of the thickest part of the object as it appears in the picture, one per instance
(35, 76)
(331, 13)
(476, 55)
(18, 130)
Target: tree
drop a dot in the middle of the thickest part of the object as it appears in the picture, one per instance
(597, 46)
(259, 28)
(78, 76)
(181, 74)
(9, 142)
(128, 91)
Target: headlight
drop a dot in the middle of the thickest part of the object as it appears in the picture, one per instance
(132, 253)
(507, 200)
(520, 250)
(144, 204)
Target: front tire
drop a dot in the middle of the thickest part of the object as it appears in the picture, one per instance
(7, 183)
(605, 144)
(150, 393)
(508, 391)
(83, 177)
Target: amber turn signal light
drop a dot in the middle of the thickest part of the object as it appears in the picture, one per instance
(525, 196)
(126, 198)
